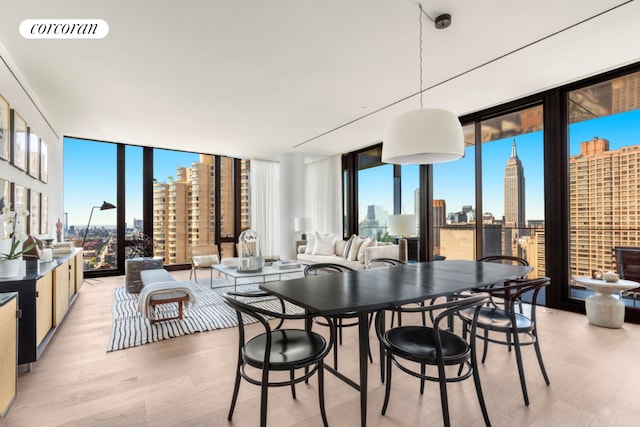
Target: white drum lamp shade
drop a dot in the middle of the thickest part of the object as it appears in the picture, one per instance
(427, 136)
(302, 224)
(402, 225)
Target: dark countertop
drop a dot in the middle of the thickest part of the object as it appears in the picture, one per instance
(6, 297)
(34, 269)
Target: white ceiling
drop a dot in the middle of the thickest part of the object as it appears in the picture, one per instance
(257, 78)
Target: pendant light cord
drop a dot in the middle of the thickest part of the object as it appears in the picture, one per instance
(465, 72)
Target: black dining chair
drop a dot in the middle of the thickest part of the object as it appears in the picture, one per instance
(508, 327)
(434, 346)
(276, 349)
(341, 321)
(503, 259)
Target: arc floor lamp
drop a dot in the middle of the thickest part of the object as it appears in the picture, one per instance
(104, 207)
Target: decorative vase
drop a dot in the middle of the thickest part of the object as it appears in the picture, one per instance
(9, 268)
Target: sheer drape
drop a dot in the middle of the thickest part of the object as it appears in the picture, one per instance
(265, 204)
(323, 195)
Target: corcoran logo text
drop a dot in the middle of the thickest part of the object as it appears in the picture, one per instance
(64, 29)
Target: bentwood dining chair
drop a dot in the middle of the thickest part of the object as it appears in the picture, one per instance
(504, 259)
(507, 327)
(434, 346)
(341, 321)
(300, 352)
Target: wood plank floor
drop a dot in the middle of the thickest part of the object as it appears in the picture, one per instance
(594, 372)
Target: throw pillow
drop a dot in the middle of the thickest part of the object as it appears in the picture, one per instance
(371, 244)
(311, 239)
(363, 246)
(324, 244)
(205, 260)
(353, 251)
(345, 254)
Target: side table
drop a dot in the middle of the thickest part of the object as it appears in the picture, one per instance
(603, 309)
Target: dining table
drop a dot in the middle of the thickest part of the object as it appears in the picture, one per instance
(370, 290)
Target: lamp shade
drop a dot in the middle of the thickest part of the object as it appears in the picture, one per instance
(431, 135)
(302, 224)
(402, 225)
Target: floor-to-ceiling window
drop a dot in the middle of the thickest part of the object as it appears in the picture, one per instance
(512, 191)
(454, 204)
(90, 197)
(604, 175)
(194, 199)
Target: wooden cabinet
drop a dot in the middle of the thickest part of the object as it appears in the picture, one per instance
(78, 268)
(8, 350)
(44, 306)
(60, 292)
(44, 298)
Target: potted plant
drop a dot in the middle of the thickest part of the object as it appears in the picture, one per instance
(11, 243)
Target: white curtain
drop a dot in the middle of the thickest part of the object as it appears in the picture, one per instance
(323, 195)
(265, 204)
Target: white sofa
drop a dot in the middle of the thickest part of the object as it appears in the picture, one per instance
(376, 249)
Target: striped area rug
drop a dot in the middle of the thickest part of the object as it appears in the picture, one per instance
(130, 329)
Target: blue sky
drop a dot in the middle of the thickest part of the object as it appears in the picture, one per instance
(91, 176)
(91, 180)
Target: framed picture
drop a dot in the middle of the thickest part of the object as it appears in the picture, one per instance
(5, 196)
(34, 155)
(18, 196)
(44, 162)
(4, 129)
(18, 141)
(34, 212)
(44, 214)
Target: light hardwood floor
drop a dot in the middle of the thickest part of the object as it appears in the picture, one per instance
(595, 380)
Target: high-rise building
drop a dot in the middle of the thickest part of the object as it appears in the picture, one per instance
(604, 204)
(439, 221)
(184, 209)
(514, 208)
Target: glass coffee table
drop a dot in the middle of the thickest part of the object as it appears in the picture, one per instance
(266, 271)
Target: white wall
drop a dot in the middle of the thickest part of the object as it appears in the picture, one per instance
(14, 93)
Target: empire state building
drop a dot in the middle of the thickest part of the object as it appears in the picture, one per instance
(514, 192)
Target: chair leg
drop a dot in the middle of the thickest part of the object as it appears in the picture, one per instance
(486, 345)
(236, 388)
(335, 348)
(443, 395)
(264, 397)
(323, 413)
(387, 387)
(422, 372)
(293, 386)
(516, 345)
(476, 380)
(536, 345)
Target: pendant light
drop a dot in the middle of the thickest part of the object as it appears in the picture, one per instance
(424, 136)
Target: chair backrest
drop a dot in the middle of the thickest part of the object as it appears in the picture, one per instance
(200, 250)
(324, 268)
(381, 262)
(513, 290)
(505, 259)
(439, 312)
(628, 262)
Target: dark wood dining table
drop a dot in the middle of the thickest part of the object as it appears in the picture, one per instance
(370, 290)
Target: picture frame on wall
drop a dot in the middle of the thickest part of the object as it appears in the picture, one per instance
(18, 196)
(5, 195)
(5, 138)
(44, 214)
(44, 161)
(34, 156)
(18, 141)
(34, 212)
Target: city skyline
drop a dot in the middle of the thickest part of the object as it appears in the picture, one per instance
(453, 182)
